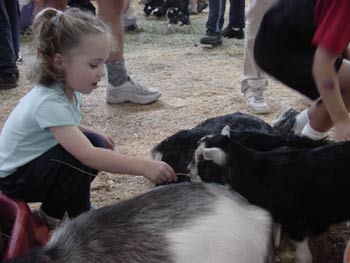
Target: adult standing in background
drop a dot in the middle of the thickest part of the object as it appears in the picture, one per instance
(215, 21)
(253, 81)
(121, 88)
(236, 20)
(9, 43)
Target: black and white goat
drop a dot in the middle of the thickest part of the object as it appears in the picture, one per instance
(180, 223)
(305, 187)
(178, 149)
(175, 10)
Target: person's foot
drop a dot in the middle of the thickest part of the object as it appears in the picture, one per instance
(201, 7)
(211, 38)
(192, 12)
(8, 81)
(50, 221)
(256, 102)
(285, 121)
(131, 91)
(131, 28)
(230, 32)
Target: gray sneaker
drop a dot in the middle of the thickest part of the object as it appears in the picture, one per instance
(50, 221)
(132, 92)
(285, 121)
(256, 102)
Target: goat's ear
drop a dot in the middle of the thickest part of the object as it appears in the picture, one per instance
(216, 155)
(226, 131)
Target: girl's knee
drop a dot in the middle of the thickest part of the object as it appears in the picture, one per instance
(96, 140)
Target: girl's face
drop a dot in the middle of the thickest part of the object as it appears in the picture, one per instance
(84, 65)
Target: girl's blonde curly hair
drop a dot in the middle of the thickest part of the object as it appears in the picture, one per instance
(59, 32)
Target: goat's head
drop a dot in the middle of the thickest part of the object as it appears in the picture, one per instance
(210, 158)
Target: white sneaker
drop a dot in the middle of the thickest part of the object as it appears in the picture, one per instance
(132, 92)
(256, 102)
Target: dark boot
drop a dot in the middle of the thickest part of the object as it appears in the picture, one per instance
(211, 38)
(229, 32)
(201, 7)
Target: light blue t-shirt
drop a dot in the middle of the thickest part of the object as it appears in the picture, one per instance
(25, 135)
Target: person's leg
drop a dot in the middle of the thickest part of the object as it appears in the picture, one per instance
(216, 14)
(314, 122)
(130, 18)
(41, 4)
(9, 43)
(253, 80)
(236, 23)
(193, 7)
(214, 23)
(14, 15)
(120, 87)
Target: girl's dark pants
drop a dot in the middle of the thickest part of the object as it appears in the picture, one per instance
(57, 179)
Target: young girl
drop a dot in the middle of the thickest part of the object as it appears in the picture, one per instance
(301, 43)
(45, 154)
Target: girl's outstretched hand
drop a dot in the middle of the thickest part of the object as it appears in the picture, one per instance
(159, 172)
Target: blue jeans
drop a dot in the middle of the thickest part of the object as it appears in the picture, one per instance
(9, 32)
(216, 15)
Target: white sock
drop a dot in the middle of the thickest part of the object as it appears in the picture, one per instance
(300, 121)
(309, 132)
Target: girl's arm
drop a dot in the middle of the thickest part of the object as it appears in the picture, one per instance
(76, 143)
(328, 86)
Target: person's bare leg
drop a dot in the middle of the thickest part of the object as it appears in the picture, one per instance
(120, 87)
(41, 4)
(193, 6)
(111, 12)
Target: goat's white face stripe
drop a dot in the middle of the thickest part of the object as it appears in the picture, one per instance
(192, 167)
(212, 154)
(215, 154)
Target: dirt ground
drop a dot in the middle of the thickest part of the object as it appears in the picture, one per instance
(196, 84)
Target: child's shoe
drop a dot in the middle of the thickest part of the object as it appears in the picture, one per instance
(50, 221)
(286, 120)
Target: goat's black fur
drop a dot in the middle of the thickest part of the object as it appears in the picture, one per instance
(178, 149)
(304, 187)
(175, 10)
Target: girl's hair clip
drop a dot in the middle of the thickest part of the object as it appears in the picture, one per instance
(55, 20)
